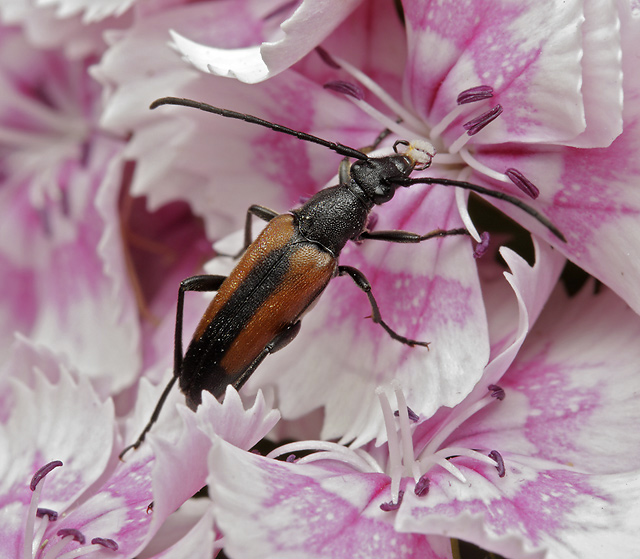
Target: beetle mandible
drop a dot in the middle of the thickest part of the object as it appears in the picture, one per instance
(258, 308)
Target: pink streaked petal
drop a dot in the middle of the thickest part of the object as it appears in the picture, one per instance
(309, 25)
(576, 386)
(530, 512)
(197, 543)
(181, 442)
(231, 421)
(119, 508)
(90, 10)
(570, 394)
(175, 146)
(602, 75)
(594, 204)
(85, 307)
(72, 34)
(427, 292)
(532, 286)
(266, 508)
(61, 421)
(529, 52)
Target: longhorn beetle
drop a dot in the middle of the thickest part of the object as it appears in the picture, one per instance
(258, 308)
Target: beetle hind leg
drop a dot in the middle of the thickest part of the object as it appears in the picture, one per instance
(264, 214)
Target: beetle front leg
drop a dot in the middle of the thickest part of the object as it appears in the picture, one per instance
(409, 237)
(361, 281)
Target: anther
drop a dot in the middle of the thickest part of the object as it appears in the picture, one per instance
(42, 472)
(475, 94)
(523, 183)
(422, 487)
(496, 391)
(387, 507)
(77, 535)
(346, 88)
(327, 58)
(291, 458)
(106, 542)
(413, 416)
(497, 457)
(475, 125)
(51, 514)
(482, 246)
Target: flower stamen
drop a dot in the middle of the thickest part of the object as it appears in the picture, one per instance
(31, 544)
(371, 85)
(395, 459)
(324, 450)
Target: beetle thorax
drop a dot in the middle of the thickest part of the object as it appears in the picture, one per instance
(332, 217)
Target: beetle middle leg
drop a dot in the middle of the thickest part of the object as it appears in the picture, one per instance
(363, 283)
(409, 237)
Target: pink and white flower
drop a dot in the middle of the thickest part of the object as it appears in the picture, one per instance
(543, 463)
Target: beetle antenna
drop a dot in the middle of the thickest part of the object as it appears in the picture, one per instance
(487, 192)
(338, 148)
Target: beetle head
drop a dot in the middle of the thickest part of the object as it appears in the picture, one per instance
(377, 176)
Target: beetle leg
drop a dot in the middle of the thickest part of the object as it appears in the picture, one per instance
(194, 283)
(281, 340)
(361, 281)
(408, 237)
(259, 211)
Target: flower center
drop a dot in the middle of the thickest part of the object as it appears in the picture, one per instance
(35, 543)
(472, 106)
(401, 461)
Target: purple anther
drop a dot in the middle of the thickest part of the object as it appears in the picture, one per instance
(474, 94)
(106, 542)
(482, 246)
(37, 477)
(291, 458)
(413, 416)
(475, 125)
(346, 88)
(496, 391)
(76, 534)
(422, 487)
(52, 514)
(495, 455)
(523, 183)
(327, 58)
(386, 507)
